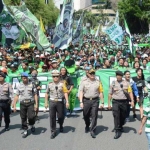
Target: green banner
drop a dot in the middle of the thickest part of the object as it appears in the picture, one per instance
(106, 77)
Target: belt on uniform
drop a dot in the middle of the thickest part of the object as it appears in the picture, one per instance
(120, 100)
(27, 101)
(95, 98)
(4, 101)
(56, 99)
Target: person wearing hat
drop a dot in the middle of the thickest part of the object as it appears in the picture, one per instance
(90, 91)
(54, 65)
(56, 93)
(120, 92)
(13, 69)
(27, 94)
(6, 94)
(44, 68)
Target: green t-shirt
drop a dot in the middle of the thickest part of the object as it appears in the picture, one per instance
(21, 70)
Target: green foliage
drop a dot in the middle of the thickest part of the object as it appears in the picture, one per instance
(137, 14)
(48, 12)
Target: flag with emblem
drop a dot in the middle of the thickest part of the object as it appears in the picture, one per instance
(77, 36)
(63, 30)
(129, 40)
(8, 25)
(32, 26)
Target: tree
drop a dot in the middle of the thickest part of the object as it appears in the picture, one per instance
(48, 12)
(136, 13)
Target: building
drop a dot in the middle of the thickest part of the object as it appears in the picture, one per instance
(82, 4)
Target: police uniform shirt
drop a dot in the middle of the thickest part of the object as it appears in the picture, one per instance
(26, 92)
(56, 90)
(91, 89)
(6, 91)
(117, 92)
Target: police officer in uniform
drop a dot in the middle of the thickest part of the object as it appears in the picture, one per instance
(27, 94)
(37, 84)
(120, 92)
(6, 96)
(56, 93)
(90, 91)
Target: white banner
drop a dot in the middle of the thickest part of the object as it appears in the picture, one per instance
(11, 32)
(115, 33)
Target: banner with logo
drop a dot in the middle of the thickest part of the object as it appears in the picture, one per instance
(105, 76)
(64, 26)
(115, 33)
(31, 24)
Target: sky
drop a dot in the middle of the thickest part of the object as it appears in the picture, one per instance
(58, 2)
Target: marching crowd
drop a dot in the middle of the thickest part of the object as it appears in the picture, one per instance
(91, 55)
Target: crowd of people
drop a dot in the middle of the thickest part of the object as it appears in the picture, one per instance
(97, 54)
(90, 56)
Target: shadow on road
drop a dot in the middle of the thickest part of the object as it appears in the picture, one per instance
(128, 129)
(133, 119)
(69, 129)
(100, 129)
(15, 126)
(39, 130)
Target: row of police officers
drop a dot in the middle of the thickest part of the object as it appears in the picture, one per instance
(56, 97)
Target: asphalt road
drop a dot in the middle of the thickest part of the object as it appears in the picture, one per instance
(73, 137)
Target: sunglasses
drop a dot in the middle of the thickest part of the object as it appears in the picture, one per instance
(55, 76)
(92, 73)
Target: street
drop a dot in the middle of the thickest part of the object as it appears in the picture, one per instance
(74, 137)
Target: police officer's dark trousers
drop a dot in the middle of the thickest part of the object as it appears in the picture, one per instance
(119, 108)
(5, 107)
(56, 107)
(90, 109)
(27, 111)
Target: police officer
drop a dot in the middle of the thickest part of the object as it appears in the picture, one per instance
(6, 96)
(56, 92)
(37, 84)
(90, 91)
(28, 97)
(120, 91)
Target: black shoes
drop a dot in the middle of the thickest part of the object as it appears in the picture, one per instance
(25, 134)
(117, 135)
(33, 129)
(93, 134)
(61, 129)
(7, 129)
(87, 129)
(53, 135)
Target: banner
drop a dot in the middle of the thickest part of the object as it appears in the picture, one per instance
(31, 24)
(115, 33)
(8, 25)
(78, 32)
(105, 76)
(63, 30)
(129, 40)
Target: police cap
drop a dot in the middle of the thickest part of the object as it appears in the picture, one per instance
(55, 73)
(24, 74)
(119, 73)
(91, 71)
